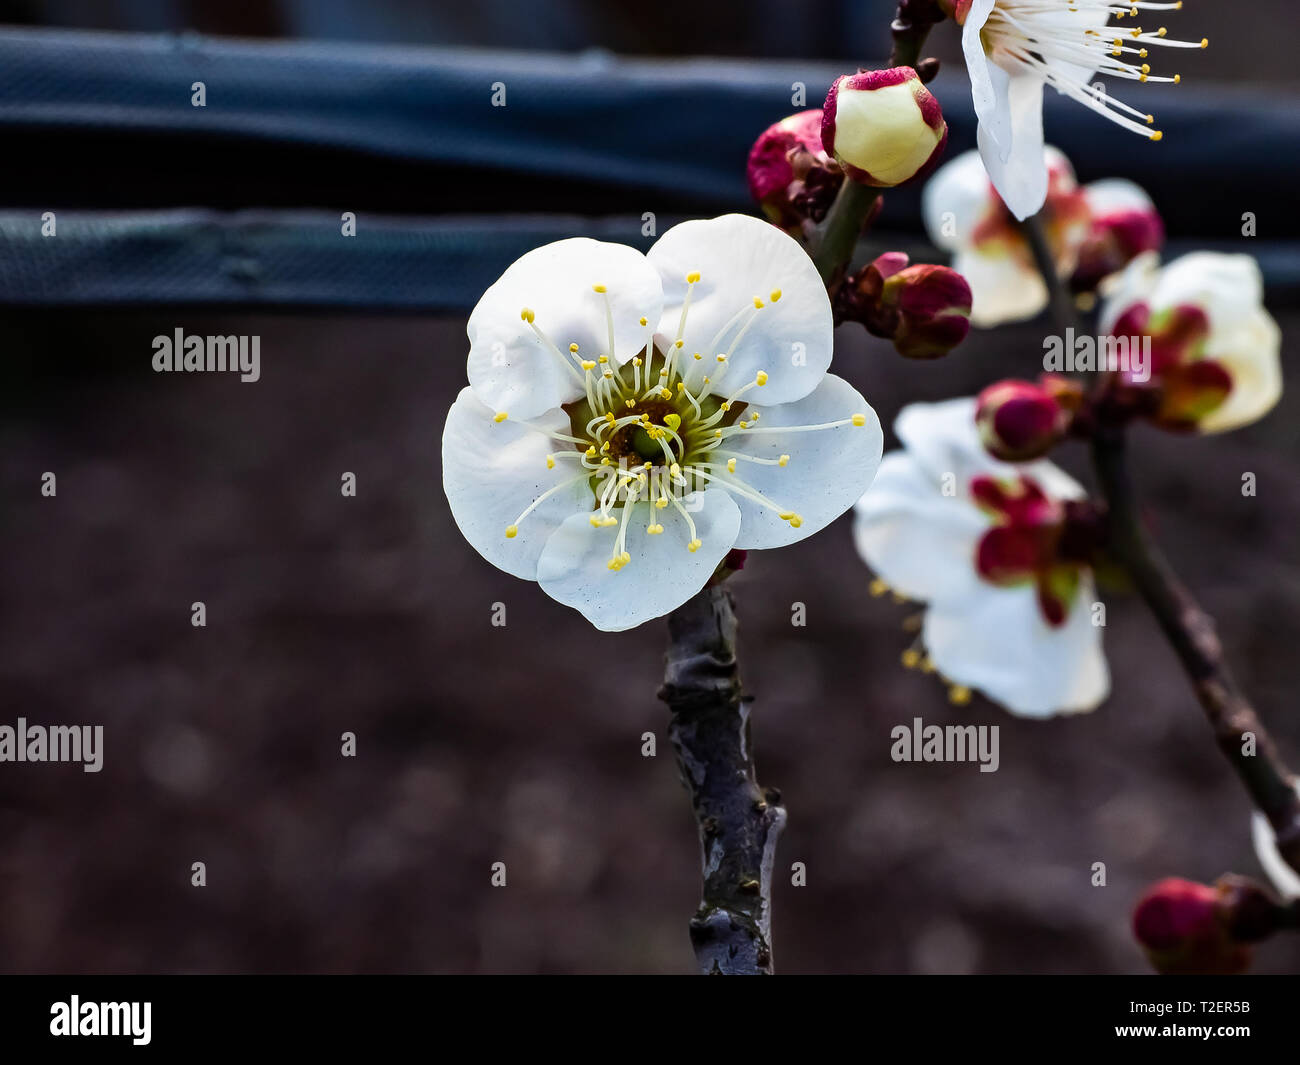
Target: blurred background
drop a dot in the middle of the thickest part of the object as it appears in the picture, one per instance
(371, 615)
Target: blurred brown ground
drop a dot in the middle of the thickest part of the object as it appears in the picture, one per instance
(522, 744)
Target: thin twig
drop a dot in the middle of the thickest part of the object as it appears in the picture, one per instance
(738, 821)
(1190, 631)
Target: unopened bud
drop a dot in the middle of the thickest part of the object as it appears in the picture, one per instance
(924, 309)
(1018, 421)
(1184, 929)
(883, 126)
(790, 175)
(1123, 224)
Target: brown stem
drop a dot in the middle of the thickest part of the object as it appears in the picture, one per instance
(1190, 631)
(1061, 305)
(738, 821)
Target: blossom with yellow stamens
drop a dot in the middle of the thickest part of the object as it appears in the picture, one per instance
(620, 482)
(1015, 47)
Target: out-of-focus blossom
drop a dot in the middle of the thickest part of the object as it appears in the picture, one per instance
(1123, 224)
(1214, 349)
(1015, 47)
(1000, 556)
(612, 445)
(964, 214)
(883, 126)
(1285, 879)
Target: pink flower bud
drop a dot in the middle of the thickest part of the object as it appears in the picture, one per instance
(924, 309)
(790, 176)
(883, 126)
(1115, 237)
(1183, 927)
(1018, 421)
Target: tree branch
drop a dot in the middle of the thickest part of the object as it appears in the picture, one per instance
(1191, 633)
(738, 821)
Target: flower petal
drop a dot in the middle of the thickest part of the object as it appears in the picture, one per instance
(919, 541)
(955, 200)
(662, 573)
(511, 369)
(828, 471)
(988, 81)
(1227, 287)
(1004, 288)
(1251, 354)
(997, 641)
(740, 259)
(491, 471)
(1017, 168)
(1285, 879)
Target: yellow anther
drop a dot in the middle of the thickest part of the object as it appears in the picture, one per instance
(796, 521)
(761, 379)
(604, 359)
(1146, 68)
(667, 393)
(587, 364)
(1161, 32)
(774, 295)
(1150, 119)
(643, 321)
(527, 315)
(605, 462)
(550, 463)
(911, 658)
(663, 372)
(681, 386)
(673, 421)
(786, 515)
(1177, 78)
(661, 502)
(697, 356)
(758, 304)
(500, 416)
(692, 277)
(705, 380)
(604, 448)
(573, 349)
(608, 521)
(877, 587)
(1142, 53)
(626, 556)
(731, 465)
(859, 420)
(654, 530)
(718, 432)
(646, 466)
(1157, 135)
(784, 460)
(512, 531)
(1142, 78)
(596, 521)
(597, 288)
(1205, 42)
(679, 343)
(725, 405)
(674, 471)
(591, 452)
(722, 358)
(629, 403)
(959, 695)
(694, 546)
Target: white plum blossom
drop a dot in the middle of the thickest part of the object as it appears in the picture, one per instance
(1285, 879)
(1215, 350)
(631, 418)
(1015, 47)
(985, 545)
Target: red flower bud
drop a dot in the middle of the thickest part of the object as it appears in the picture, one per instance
(790, 175)
(924, 309)
(1019, 421)
(1184, 929)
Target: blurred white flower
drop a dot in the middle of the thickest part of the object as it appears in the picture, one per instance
(987, 546)
(1015, 47)
(1214, 348)
(1285, 879)
(964, 215)
(611, 444)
